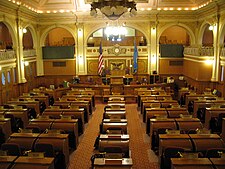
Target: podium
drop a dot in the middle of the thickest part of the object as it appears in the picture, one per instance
(116, 84)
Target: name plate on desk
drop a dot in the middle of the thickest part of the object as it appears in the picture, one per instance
(53, 132)
(172, 131)
(160, 116)
(43, 117)
(18, 107)
(66, 117)
(36, 154)
(185, 116)
(25, 130)
(189, 155)
(203, 131)
(74, 107)
(113, 161)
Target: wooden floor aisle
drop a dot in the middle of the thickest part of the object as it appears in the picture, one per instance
(143, 157)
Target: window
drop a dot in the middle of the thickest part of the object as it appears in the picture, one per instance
(3, 78)
(14, 75)
(222, 74)
(8, 76)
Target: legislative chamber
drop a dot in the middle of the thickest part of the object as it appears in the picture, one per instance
(112, 84)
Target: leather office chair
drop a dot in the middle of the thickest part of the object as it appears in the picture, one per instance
(170, 152)
(16, 123)
(35, 129)
(216, 123)
(155, 137)
(12, 149)
(201, 114)
(48, 149)
(214, 152)
(2, 137)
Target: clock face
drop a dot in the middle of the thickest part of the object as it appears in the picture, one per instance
(116, 50)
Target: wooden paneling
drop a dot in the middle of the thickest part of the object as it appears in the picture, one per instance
(69, 69)
(92, 66)
(166, 68)
(199, 71)
(142, 66)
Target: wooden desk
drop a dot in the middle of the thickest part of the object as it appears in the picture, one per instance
(122, 144)
(191, 163)
(114, 121)
(203, 142)
(21, 114)
(155, 124)
(201, 104)
(121, 105)
(29, 104)
(148, 104)
(76, 114)
(176, 112)
(174, 140)
(39, 97)
(6, 161)
(153, 112)
(167, 103)
(5, 124)
(114, 137)
(24, 140)
(210, 113)
(114, 126)
(219, 163)
(113, 163)
(60, 143)
(113, 109)
(191, 97)
(53, 113)
(114, 115)
(186, 124)
(43, 124)
(70, 127)
(34, 163)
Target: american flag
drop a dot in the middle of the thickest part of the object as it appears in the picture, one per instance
(100, 61)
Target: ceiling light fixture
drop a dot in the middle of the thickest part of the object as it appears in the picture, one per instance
(113, 9)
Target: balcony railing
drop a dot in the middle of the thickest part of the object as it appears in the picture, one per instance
(29, 53)
(203, 51)
(7, 55)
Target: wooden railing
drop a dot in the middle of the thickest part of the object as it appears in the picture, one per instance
(202, 51)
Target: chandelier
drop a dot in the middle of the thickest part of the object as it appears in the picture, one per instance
(113, 9)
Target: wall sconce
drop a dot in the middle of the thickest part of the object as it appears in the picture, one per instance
(81, 61)
(153, 59)
(209, 62)
(79, 32)
(0, 68)
(24, 30)
(26, 63)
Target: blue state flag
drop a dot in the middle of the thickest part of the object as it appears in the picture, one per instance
(135, 64)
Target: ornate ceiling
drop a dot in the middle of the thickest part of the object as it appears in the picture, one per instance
(79, 6)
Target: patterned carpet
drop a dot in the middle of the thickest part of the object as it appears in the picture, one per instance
(142, 156)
